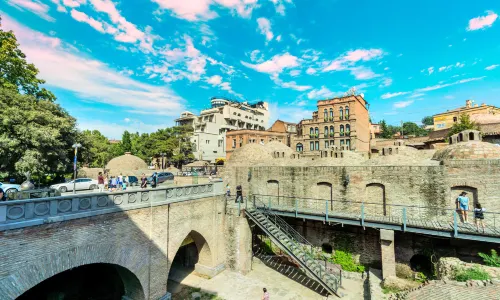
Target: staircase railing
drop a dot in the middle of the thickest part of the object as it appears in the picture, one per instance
(310, 252)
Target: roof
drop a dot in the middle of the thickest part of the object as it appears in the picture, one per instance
(126, 163)
(465, 108)
(468, 150)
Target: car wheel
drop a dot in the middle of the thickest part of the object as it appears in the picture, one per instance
(63, 189)
(92, 187)
(10, 191)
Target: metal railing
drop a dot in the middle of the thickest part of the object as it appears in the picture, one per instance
(313, 258)
(428, 217)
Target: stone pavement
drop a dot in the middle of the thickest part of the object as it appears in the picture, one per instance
(235, 286)
(449, 291)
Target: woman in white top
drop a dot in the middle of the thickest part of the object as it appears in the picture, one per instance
(479, 216)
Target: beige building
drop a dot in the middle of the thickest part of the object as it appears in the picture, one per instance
(446, 119)
(341, 123)
(375, 130)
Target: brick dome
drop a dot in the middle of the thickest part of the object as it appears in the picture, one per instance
(126, 163)
(468, 150)
(249, 154)
(275, 148)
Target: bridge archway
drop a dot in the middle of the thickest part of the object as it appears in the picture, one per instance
(92, 281)
(193, 255)
(375, 198)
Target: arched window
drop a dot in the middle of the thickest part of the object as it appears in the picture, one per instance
(326, 131)
(311, 146)
(347, 129)
(348, 144)
(347, 112)
(311, 131)
(341, 116)
(316, 131)
(331, 114)
(317, 145)
(327, 144)
(325, 114)
(341, 130)
(331, 131)
(299, 147)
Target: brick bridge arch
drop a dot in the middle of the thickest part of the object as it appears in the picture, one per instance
(133, 277)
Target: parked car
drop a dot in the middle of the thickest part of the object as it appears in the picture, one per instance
(133, 181)
(162, 177)
(10, 188)
(80, 184)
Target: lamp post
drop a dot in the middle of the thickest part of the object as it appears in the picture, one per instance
(76, 146)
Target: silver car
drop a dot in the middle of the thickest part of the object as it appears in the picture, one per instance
(80, 184)
(10, 188)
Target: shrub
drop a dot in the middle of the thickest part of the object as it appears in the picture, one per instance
(404, 271)
(474, 273)
(346, 261)
(492, 260)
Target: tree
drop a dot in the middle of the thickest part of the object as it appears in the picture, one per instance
(428, 121)
(126, 142)
(96, 150)
(388, 131)
(35, 136)
(410, 128)
(464, 123)
(15, 73)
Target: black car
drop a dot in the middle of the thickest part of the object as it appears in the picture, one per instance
(162, 177)
(133, 181)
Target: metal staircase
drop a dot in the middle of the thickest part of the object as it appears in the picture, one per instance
(297, 247)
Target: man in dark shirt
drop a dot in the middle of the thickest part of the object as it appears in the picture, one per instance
(239, 194)
(100, 182)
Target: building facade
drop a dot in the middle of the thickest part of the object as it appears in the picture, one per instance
(375, 130)
(280, 131)
(210, 127)
(446, 119)
(339, 122)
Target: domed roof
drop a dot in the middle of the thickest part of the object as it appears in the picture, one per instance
(249, 155)
(276, 146)
(468, 150)
(126, 163)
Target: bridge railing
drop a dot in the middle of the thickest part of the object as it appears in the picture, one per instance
(31, 212)
(431, 217)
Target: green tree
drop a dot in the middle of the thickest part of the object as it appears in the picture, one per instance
(464, 123)
(35, 136)
(388, 131)
(15, 73)
(126, 141)
(96, 149)
(428, 121)
(410, 128)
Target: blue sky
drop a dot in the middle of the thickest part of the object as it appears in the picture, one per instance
(136, 65)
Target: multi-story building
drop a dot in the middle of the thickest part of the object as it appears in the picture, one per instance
(375, 130)
(446, 119)
(339, 122)
(210, 127)
(280, 131)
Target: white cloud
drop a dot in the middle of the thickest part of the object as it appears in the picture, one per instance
(275, 65)
(348, 60)
(62, 67)
(482, 22)
(386, 69)
(265, 28)
(295, 73)
(402, 104)
(392, 95)
(386, 82)
(449, 67)
(196, 10)
(310, 71)
(430, 70)
(416, 95)
(321, 93)
(34, 6)
(278, 38)
(489, 68)
(363, 73)
(82, 17)
(126, 120)
(280, 6)
(289, 85)
(215, 80)
(440, 86)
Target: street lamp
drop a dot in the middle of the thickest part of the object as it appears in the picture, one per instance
(76, 146)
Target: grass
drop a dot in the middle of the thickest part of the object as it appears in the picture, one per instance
(474, 273)
(390, 290)
(346, 261)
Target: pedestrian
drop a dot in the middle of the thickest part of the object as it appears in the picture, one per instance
(100, 182)
(124, 185)
(113, 183)
(153, 180)
(119, 181)
(239, 194)
(106, 181)
(3, 197)
(228, 190)
(144, 181)
(266, 294)
(479, 216)
(463, 206)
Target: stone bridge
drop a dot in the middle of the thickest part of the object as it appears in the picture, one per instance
(132, 236)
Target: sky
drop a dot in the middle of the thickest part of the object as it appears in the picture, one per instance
(136, 65)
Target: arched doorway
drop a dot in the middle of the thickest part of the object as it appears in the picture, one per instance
(92, 281)
(192, 258)
(375, 198)
(325, 192)
(273, 191)
(471, 193)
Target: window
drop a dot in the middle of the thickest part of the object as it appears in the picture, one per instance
(316, 131)
(262, 141)
(348, 143)
(326, 114)
(341, 142)
(347, 112)
(311, 131)
(440, 125)
(341, 113)
(454, 119)
(331, 114)
(326, 131)
(311, 146)
(316, 144)
(341, 130)
(299, 147)
(332, 142)
(241, 142)
(234, 143)
(327, 144)
(347, 129)
(331, 131)
(207, 141)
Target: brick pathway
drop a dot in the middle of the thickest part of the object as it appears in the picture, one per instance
(441, 291)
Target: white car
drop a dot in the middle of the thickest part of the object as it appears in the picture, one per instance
(10, 188)
(80, 184)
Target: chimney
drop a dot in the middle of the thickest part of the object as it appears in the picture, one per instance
(468, 103)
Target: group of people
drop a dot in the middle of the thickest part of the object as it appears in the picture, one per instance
(239, 193)
(463, 207)
(111, 183)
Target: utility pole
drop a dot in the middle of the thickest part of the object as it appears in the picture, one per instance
(402, 132)
(76, 146)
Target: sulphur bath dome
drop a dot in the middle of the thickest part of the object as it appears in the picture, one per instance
(126, 163)
(468, 144)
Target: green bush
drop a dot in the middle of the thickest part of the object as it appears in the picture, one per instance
(492, 260)
(474, 273)
(346, 261)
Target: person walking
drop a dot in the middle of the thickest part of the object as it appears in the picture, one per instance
(239, 194)
(119, 181)
(266, 294)
(100, 182)
(3, 197)
(144, 181)
(479, 216)
(106, 181)
(228, 190)
(154, 180)
(113, 183)
(463, 206)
